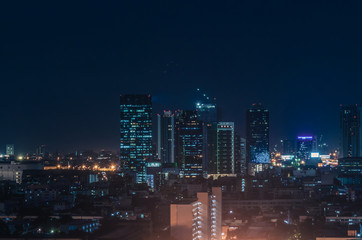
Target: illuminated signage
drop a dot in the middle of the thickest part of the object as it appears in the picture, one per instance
(287, 157)
(314, 155)
(153, 164)
(305, 137)
(325, 156)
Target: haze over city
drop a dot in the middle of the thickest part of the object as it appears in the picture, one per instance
(63, 67)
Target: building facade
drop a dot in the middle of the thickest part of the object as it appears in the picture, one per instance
(257, 138)
(240, 155)
(10, 151)
(13, 171)
(305, 146)
(287, 146)
(166, 137)
(200, 219)
(221, 148)
(207, 112)
(189, 144)
(350, 131)
(135, 134)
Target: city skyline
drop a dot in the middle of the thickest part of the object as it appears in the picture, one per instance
(333, 142)
(169, 120)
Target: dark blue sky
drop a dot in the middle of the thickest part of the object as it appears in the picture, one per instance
(63, 64)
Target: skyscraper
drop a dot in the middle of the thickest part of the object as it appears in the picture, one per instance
(221, 148)
(257, 137)
(135, 134)
(305, 146)
(166, 137)
(189, 143)
(207, 112)
(287, 147)
(240, 155)
(350, 131)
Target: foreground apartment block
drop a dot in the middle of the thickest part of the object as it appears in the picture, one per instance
(199, 219)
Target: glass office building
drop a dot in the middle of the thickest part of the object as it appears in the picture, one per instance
(257, 134)
(189, 144)
(350, 131)
(135, 134)
(166, 137)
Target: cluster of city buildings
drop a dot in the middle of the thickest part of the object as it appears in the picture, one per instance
(188, 174)
(196, 143)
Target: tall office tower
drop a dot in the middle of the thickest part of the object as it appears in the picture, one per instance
(240, 155)
(199, 219)
(237, 153)
(189, 143)
(10, 149)
(211, 149)
(305, 146)
(40, 151)
(136, 134)
(207, 112)
(166, 137)
(257, 138)
(221, 148)
(350, 128)
(323, 147)
(243, 163)
(287, 147)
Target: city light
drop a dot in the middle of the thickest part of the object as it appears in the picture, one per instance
(111, 129)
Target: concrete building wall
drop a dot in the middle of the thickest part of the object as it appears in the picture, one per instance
(13, 171)
(181, 221)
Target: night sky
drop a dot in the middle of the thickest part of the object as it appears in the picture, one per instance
(64, 64)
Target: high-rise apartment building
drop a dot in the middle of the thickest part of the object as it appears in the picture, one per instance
(166, 137)
(240, 155)
(10, 151)
(221, 148)
(199, 219)
(135, 134)
(257, 138)
(189, 143)
(350, 131)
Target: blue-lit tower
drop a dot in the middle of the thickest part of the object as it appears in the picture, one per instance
(135, 134)
(305, 146)
(189, 143)
(207, 110)
(257, 138)
(350, 131)
(166, 137)
(209, 114)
